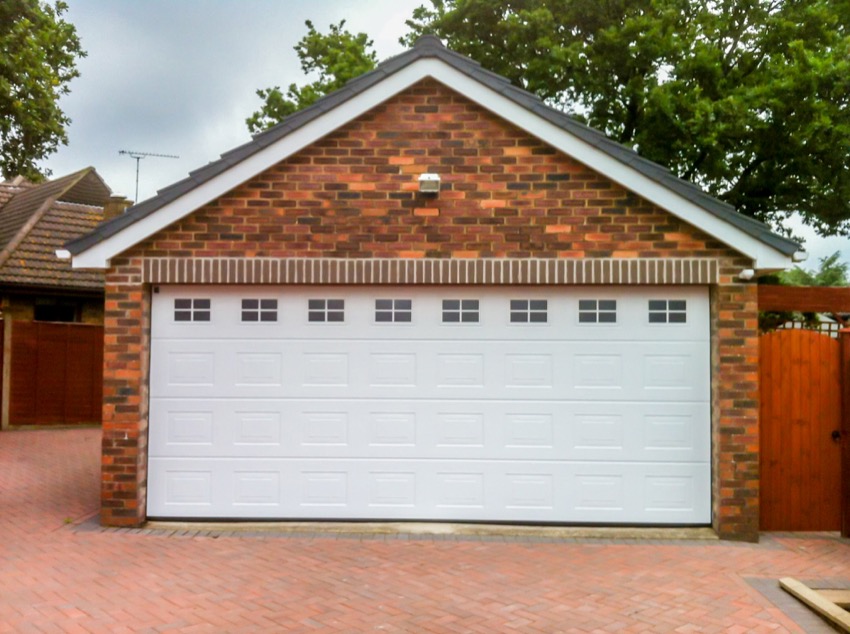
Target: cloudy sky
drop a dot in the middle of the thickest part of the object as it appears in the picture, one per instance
(179, 77)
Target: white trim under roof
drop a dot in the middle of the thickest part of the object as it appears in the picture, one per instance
(763, 255)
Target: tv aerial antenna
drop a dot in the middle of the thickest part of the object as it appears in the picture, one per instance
(139, 156)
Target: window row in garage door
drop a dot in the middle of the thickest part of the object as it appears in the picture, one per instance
(454, 311)
(541, 421)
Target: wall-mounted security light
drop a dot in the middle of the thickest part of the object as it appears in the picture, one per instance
(746, 274)
(429, 183)
(799, 256)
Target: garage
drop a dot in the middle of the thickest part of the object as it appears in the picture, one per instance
(527, 404)
(430, 296)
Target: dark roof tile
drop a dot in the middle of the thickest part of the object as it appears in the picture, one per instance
(36, 220)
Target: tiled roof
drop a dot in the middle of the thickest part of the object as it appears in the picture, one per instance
(36, 220)
(430, 46)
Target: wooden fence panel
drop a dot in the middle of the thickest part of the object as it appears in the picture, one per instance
(56, 374)
(800, 408)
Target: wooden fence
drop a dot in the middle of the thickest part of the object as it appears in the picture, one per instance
(55, 373)
(800, 431)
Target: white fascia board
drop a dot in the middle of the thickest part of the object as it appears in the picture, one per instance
(763, 256)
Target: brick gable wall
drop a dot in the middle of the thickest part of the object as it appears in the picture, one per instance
(354, 194)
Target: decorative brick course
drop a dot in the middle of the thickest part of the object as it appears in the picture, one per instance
(411, 270)
(505, 195)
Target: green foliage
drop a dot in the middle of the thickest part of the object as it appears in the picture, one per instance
(337, 57)
(38, 55)
(750, 99)
(830, 272)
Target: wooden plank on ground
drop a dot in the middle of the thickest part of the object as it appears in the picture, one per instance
(841, 598)
(827, 609)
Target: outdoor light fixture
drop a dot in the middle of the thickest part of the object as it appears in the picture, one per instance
(429, 183)
(746, 274)
(800, 256)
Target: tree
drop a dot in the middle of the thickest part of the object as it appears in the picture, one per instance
(337, 57)
(38, 55)
(830, 272)
(750, 99)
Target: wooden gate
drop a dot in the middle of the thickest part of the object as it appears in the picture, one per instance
(56, 373)
(800, 422)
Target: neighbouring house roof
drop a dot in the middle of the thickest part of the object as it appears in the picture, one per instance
(430, 58)
(37, 219)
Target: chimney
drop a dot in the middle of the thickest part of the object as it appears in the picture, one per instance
(115, 206)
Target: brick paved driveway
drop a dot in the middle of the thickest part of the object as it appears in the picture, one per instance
(60, 573)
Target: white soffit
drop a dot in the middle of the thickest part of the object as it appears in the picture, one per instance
(764, 256)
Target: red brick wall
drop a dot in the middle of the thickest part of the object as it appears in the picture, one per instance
(125, 398)
(504, 194)
(735, 436)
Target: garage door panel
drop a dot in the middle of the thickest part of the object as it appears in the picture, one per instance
(555, 418)
(634, 431)
(537, 370)
(415, 490)
(493, 323)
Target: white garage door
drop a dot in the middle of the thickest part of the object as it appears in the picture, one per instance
(558, 404)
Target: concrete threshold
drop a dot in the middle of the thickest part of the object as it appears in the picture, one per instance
(515, 531)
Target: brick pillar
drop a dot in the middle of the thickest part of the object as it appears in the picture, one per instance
(125, 399)
(735, 409)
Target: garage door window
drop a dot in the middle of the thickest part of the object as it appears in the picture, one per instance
(192, 309)
(393, 310)
(597, 311)
(668, 311)
(259, 310)
(529, 311)
(322, 310)
(457, 311)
